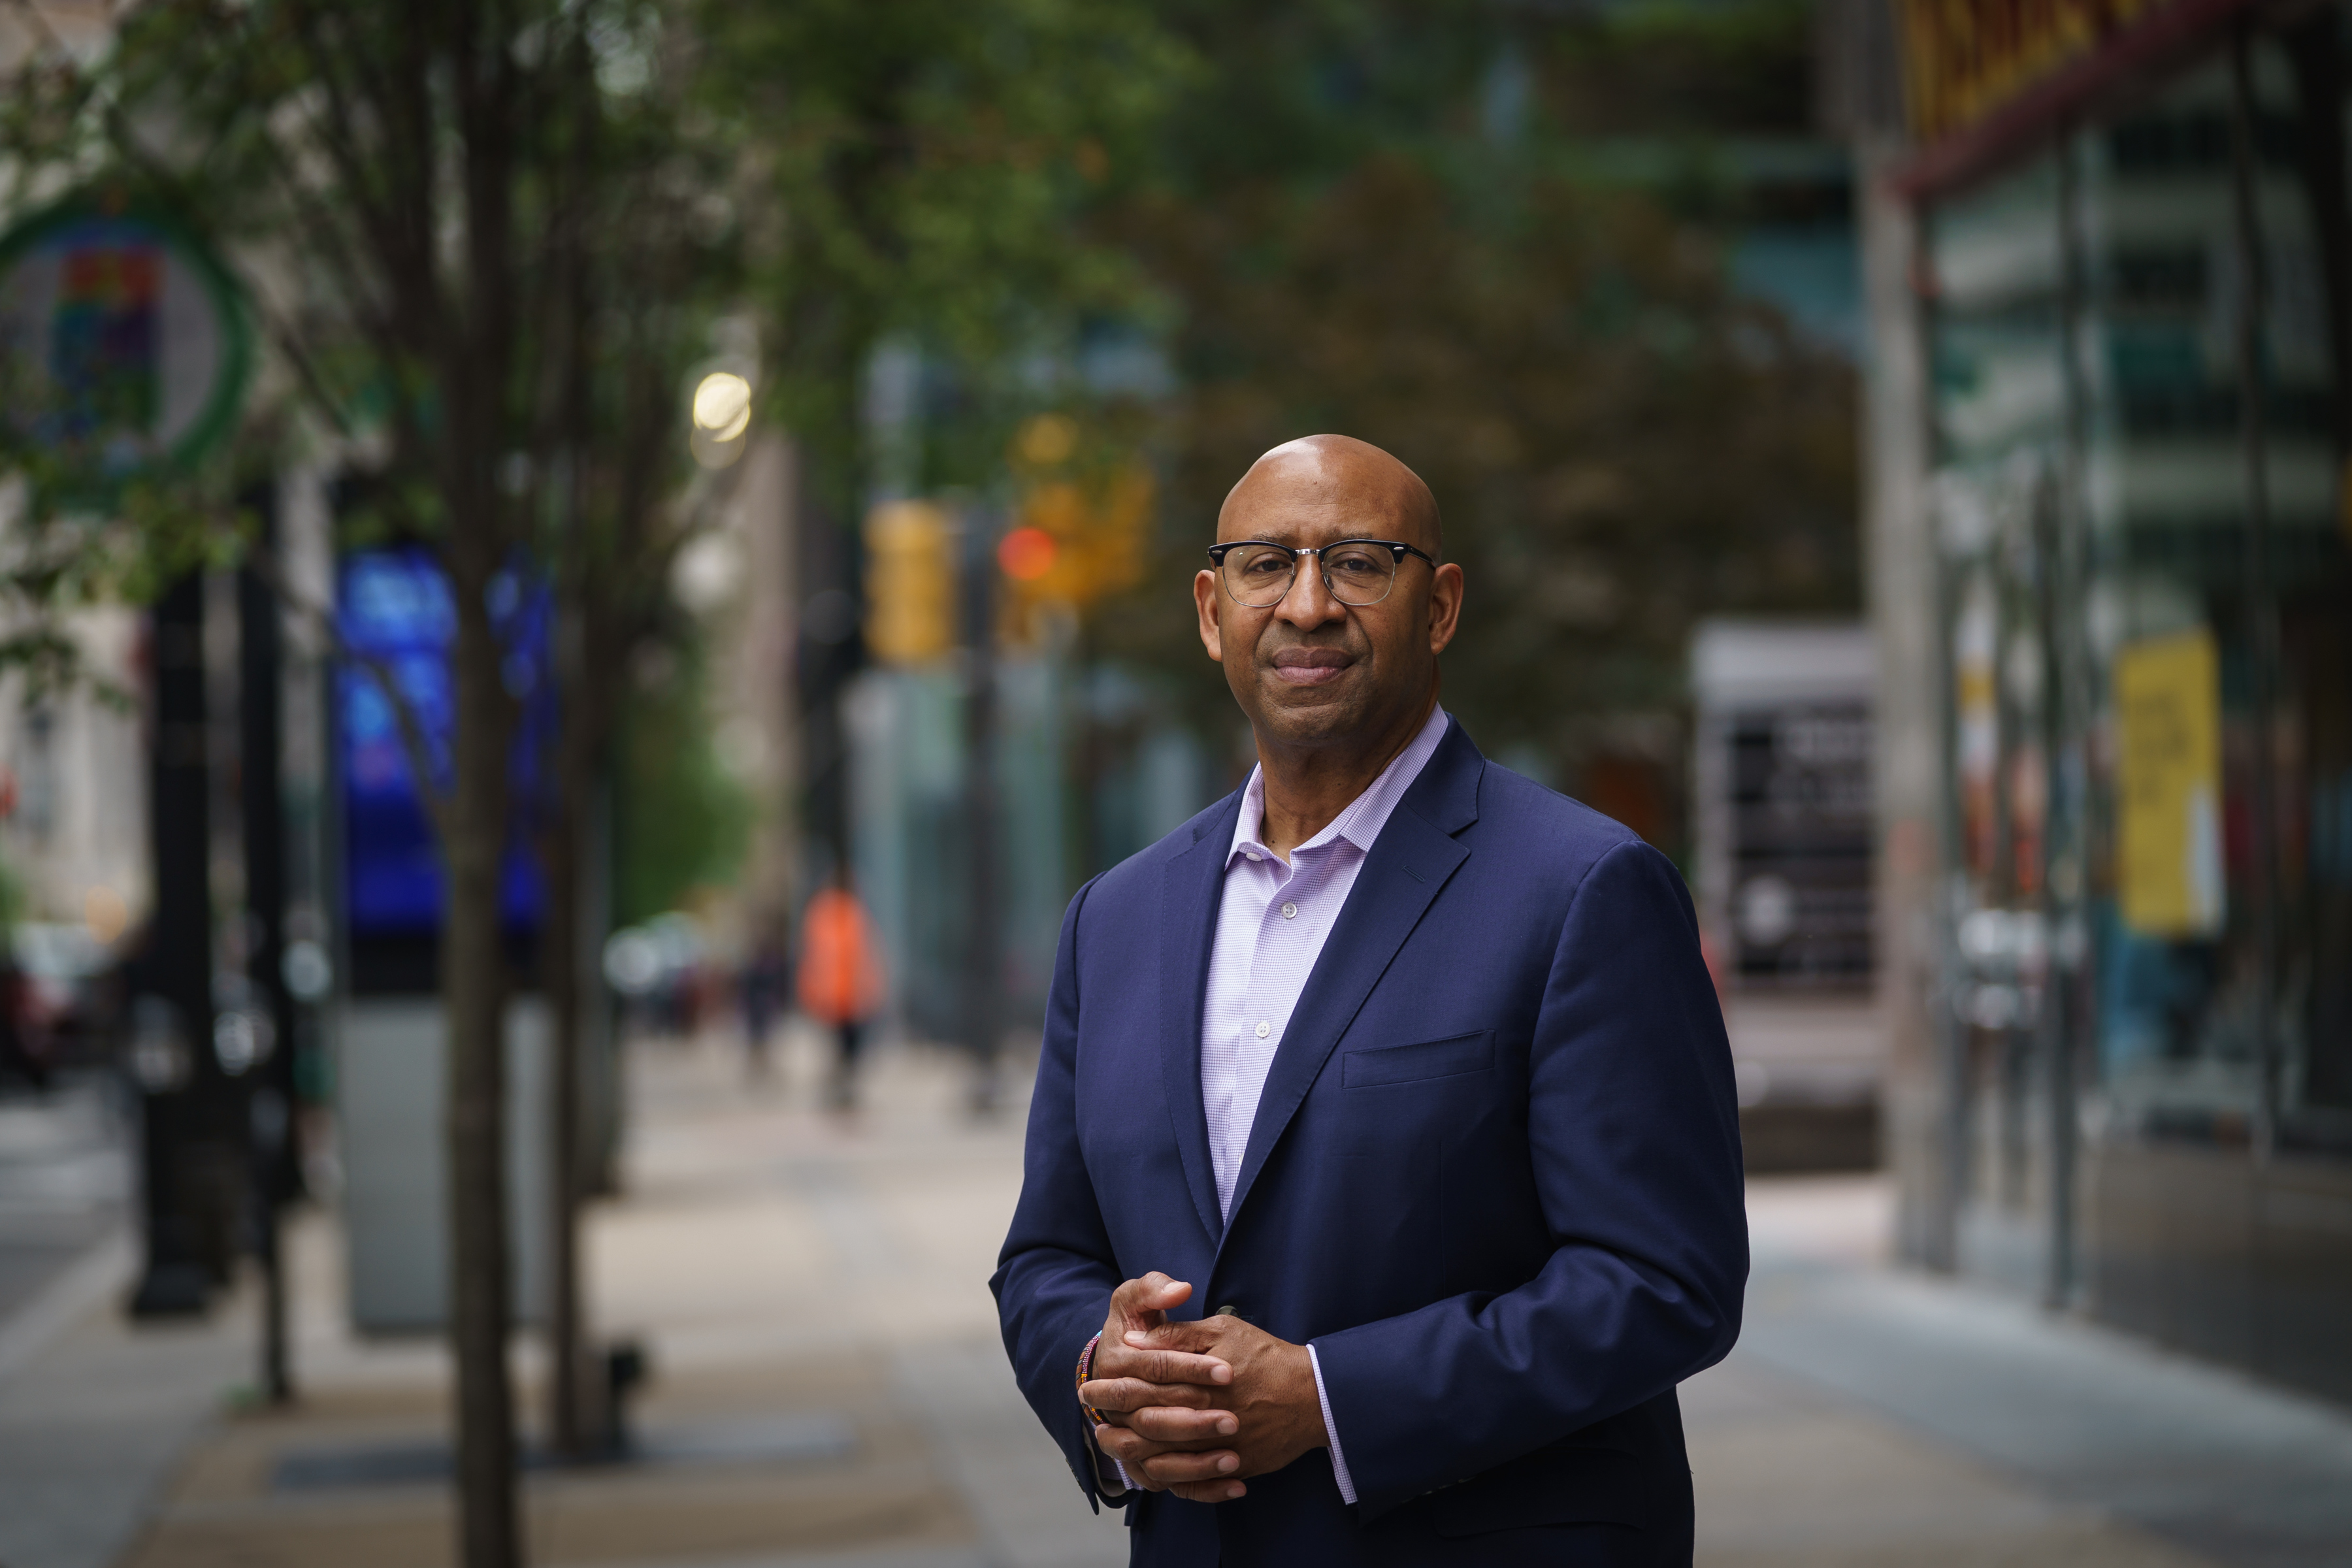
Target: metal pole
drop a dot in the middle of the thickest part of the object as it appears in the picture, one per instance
(1942, 1243)
(2062, 525)
(2260, 600)
(172, 1057)
(271, 1096)
(982, 1001)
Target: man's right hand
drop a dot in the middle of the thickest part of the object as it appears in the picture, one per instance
(1163, 1398)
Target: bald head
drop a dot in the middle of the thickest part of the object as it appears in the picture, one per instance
(1342, 474)
(1334, 687)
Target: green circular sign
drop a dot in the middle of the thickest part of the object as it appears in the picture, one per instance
(124, 345)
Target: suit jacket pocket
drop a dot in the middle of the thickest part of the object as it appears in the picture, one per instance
(1566, 1483)
(1412, 1064)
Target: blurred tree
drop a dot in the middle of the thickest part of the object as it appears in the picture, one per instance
(475, 234)
(653, 258)
(1412, 224)
(1619, 442)
(928, 165)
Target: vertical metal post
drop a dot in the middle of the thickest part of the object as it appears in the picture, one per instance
(2060, 587)
(2261, 606)
(1948, 1031)
(1951, 1031)
(270, 1100)
(172, 1054)
(983, 971)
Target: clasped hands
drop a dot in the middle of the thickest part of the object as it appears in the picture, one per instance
(1196, 1408)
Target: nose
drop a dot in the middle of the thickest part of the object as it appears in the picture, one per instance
(1309, 603)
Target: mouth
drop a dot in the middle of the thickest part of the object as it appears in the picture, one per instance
(1310, 666)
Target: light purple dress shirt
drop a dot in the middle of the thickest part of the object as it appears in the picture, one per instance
(1271, 926)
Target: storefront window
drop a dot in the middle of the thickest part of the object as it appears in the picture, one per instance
(2148, 614)
(2003, 403)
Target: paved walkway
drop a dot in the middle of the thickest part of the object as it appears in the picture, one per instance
(1870, 1417)
(828, 1392)
(64, 1178)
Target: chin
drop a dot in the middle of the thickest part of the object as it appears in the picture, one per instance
(1308, 717)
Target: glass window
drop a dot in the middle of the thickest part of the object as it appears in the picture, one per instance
(2147, 604)
(2003, 417)
(2215, 600)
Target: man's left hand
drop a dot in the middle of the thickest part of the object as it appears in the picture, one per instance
(1272, 1395)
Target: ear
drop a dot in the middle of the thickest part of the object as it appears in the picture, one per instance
(1210, 609)
(1444, 605)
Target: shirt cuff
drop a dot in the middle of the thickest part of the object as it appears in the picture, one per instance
(1330, 1432)
(1109, 1474)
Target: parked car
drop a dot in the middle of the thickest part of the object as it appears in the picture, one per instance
(56, 987)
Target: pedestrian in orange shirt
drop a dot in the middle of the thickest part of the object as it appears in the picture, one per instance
(840, 977)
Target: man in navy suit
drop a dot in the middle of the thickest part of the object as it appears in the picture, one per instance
(1383, 1170)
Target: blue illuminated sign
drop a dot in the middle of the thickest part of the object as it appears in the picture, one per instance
(395, 609)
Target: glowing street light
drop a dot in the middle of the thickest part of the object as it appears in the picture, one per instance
(721, 412)
(722, 405)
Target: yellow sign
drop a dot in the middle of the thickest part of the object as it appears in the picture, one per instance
(910, 583)
(1965, 59)
(2169, 869)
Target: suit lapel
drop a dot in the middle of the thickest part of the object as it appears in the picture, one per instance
(1192, 889)
(1414, 857)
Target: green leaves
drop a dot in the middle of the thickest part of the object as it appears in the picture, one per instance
(1542, 324)
(935, 165)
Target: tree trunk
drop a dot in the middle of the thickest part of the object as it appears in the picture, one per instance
(473, 988)
(568, 1414)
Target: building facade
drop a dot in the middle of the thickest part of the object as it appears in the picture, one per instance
(2107, 264)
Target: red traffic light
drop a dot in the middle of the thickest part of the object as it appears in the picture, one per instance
(1027, 554)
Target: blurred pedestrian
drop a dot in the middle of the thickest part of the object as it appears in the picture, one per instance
(760, 989)
(840, 978)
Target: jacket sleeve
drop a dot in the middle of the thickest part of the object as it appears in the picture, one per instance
(1054, 1277)
(1633, 1132)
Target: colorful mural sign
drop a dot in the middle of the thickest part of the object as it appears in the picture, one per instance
(124, 345)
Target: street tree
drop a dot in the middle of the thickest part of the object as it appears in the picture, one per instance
(475, 234)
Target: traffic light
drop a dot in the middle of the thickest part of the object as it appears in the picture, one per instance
(1079, 530)
(910, 583)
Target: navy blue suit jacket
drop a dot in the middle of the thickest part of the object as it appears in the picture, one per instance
(1494, 1179)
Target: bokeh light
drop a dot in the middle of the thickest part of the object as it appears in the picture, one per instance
(722, 405)
(1027, 554)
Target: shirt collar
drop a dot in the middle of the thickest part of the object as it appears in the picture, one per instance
(1361, 822)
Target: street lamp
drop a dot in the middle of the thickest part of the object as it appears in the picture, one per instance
(721, 412)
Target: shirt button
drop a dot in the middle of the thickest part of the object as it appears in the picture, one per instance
(1290, 911)
(1264, 1029)
(1252, 856)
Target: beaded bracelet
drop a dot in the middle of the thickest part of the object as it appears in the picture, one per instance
(1086, 1372)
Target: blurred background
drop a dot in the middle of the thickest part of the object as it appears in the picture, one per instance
(581, 584)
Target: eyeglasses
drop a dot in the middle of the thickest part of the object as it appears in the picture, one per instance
(1257, 572)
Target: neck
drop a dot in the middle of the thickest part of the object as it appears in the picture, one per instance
(1306, 787)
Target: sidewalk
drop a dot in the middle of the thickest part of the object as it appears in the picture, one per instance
(1873, 1416)
(828, 1392)
(826, 1384)
(64, 1183)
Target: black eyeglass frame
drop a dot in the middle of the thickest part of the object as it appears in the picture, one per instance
(1397, 549)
